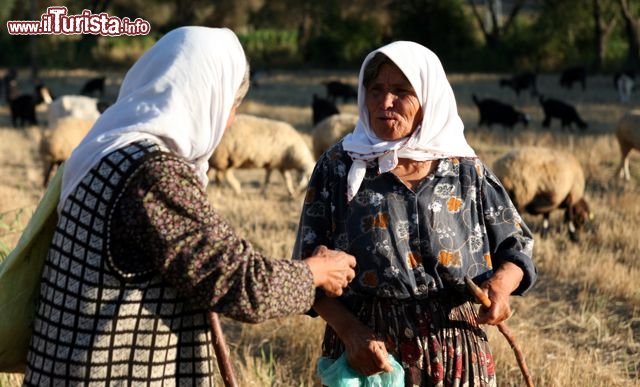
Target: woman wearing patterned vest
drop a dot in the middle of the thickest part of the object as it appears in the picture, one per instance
(139, 257)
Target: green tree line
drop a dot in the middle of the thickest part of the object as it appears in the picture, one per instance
(468, 35)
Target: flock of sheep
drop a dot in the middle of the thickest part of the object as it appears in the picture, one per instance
(68, 118)
(493, 111)
(538, 180)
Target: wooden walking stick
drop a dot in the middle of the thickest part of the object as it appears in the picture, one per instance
(482, 298)
(222, 352)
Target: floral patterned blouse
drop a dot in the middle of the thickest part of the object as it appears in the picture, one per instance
(457, 221)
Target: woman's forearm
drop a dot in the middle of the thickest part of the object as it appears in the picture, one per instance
(366, 353)
(506, 278)
(336, 315)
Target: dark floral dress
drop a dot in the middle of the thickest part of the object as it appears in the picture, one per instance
(414, 248)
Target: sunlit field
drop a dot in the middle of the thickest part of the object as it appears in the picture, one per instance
(579, 326)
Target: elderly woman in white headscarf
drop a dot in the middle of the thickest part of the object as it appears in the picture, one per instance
(139, 258)
(408, 197)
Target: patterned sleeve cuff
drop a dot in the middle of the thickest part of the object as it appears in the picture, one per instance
(307, 295)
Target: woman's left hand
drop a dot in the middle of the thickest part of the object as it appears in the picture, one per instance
(498, 288)
(366, 353)
(500, 309)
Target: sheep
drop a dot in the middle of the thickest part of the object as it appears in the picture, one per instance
(331, 130)
(492, 111)
(624, 84)
(23, 107)
(337, 89)
(8, 85)
(566, 113)
(628, 135)
(94, 85)
(322, 108)
(573, 74)
(78, 106)
(255, 142)
(23, 111)
(523, 81)
(57, 142)
(629, 73)
(540, 180)
(255, 75)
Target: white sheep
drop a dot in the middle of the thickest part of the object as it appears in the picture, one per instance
(330, 130)
(58, 142)
(540, 180)
(628, 135)
(256, 142)
(624, 85)
(78, 106)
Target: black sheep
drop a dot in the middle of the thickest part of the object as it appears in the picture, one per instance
(523, 81)
(23, 107)
(492, 111)
(574, 74)
(566, 113)
(253, 78)
(8, 80)
(322, 108)
(102, 106)
(94, 85)
(337, 89)
(23, 111)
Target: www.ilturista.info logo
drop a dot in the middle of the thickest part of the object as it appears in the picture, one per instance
(57, 21)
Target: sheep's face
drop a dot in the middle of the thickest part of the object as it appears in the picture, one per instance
(582, 216)
(392, 103)
(43, 94)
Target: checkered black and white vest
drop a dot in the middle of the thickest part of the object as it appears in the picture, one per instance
(97, 326)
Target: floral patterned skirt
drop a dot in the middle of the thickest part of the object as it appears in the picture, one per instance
(437, 341)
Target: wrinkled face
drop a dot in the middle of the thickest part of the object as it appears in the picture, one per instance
(394, 108)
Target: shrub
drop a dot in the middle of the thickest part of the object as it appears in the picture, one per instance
(345, 43)
(269, 46)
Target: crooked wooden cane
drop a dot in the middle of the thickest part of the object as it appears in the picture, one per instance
(222, 352)
(482, 298)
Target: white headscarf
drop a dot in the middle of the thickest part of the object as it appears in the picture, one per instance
(179, 94)
(439, 135)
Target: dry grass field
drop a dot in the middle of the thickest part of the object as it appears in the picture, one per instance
(579, 326)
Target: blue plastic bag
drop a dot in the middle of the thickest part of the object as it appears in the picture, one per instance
(338, 374)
